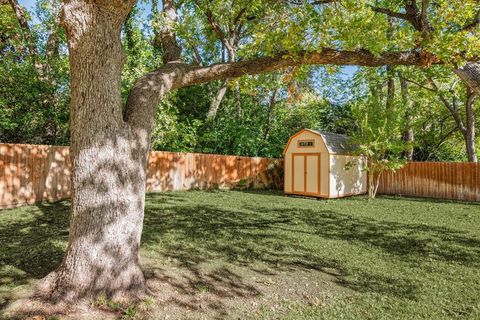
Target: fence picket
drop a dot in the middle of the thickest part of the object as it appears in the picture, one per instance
(444, 180)
(31, 173)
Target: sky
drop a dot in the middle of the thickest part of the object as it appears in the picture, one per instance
(30, 5)
(27, 3)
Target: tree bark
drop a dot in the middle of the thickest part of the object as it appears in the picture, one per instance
(390, 105)
(470, 75)
(373, 183)
(156, 42)
(271, 105)
(266, 134)
(467, 129)
(470, 126)
(170, 48)
(22, 21)
(108, 163)
(408, 134)
(217, 100)
(371, 186)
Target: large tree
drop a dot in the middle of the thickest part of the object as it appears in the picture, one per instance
(110, 142)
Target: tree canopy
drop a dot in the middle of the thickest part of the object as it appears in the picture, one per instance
(256, 114)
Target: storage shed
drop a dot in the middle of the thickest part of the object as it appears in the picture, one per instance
(316, 165)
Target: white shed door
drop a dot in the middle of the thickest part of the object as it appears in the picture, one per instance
(306, 173)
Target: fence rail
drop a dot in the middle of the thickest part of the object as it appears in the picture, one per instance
(32, 173)
(444, 180)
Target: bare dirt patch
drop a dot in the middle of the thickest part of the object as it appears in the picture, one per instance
(210, 290)
(217, 290)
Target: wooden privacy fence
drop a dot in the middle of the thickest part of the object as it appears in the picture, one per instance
(32, 173)
(444, 180)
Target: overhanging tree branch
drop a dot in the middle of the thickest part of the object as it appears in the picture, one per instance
(390, 13)
(149, 89)
(326, 56)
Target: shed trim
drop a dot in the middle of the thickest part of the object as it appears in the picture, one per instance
(321, 135)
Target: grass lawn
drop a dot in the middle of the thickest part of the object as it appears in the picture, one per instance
(262, 255)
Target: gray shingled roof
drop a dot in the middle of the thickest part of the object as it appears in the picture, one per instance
(337, 143)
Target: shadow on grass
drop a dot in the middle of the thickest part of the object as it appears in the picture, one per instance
(279, 238)
(288, 238)
(31, 245)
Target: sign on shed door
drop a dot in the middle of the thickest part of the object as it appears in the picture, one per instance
(306, 173)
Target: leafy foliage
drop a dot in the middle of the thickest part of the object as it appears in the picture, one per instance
(34, 110)
(378, 133)
(258, 113)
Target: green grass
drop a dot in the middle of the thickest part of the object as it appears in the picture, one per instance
(398, 258)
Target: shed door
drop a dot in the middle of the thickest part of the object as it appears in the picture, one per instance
(306, 172)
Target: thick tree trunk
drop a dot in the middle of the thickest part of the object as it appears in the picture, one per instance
(108, 181)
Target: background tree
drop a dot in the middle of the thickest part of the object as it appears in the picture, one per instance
(34, 90)
(378, 132)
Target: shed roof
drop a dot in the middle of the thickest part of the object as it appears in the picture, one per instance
(337, 143)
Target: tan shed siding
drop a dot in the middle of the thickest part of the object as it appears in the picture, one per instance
(287, 182)
(324, 175)
(345, 181)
